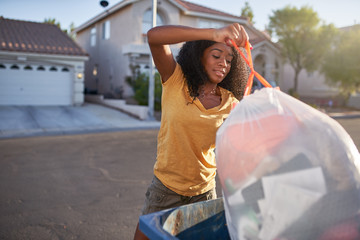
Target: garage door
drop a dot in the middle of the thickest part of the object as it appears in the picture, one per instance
(35, 84)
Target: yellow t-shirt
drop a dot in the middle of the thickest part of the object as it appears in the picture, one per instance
(186, 140)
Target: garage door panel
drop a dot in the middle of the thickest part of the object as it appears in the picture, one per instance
(33, 87)
(46, 92)
(33, 100)
(36, 84)
(31, 76)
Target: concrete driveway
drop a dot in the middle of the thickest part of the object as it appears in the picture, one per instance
(24, 121)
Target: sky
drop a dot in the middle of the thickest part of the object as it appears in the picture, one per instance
(341, 13)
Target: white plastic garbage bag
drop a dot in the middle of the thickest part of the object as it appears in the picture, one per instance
(288, 171)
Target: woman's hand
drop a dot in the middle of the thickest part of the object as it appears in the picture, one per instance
(233, 31)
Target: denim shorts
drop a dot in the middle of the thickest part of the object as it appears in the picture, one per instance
(158, 197)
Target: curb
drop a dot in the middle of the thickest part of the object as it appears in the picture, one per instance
(339, 115)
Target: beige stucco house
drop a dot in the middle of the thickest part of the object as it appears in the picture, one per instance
(116, 39)
(39, 65)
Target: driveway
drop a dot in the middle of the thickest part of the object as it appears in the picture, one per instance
(25, 121)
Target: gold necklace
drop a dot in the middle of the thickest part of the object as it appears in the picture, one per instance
(202, 92)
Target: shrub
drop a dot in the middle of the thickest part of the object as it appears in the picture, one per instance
(140, 85)
(293, 93)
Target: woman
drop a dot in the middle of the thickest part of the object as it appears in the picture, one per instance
(199, 90)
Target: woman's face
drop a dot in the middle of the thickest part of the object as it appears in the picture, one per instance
(217, 61)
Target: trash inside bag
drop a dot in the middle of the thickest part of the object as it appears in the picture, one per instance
(288, 171)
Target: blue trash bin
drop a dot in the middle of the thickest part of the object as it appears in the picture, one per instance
(202, 220)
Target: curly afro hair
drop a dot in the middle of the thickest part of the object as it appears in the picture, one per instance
(189, 58)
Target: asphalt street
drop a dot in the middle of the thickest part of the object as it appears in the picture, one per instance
(64, 184)
(87, 186)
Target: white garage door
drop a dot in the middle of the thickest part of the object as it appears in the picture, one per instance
(35, 84)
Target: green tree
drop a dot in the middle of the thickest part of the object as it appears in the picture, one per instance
(342, 65)
(247, 11)
(52, 21)
(303, 40)
(69, 32)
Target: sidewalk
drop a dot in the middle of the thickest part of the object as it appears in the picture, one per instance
(25, 121)
(343, 113)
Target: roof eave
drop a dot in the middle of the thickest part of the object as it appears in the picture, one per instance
(272, 45)
(216, 17)
(178, 5)
(186, 12)
(57, 56)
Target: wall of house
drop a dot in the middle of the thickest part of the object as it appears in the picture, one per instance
(310, 85)
(83, 39)
(267, 63)
(79, 78)
(354, 101)
(127, 46)
(106, 55)
(110, 55)
(127, 30)
(137, 51)
(112, 63)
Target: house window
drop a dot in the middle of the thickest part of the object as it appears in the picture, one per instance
(41, 68)
(147, 22)
(93, 37)
(106, 30)
(53, 69)
(27, 67)
(2, 66)
(65, 69)
(15, 67)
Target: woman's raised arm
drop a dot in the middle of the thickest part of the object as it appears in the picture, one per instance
(159, 39)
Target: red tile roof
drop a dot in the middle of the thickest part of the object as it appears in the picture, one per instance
(349, 28)
(198, 8)
(33, 37)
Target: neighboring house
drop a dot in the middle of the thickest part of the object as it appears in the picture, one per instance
(312, 86)
(39, 65)
(116, 39)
